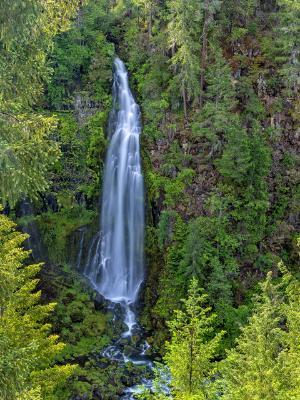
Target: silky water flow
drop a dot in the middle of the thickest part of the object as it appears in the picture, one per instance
(115, 263)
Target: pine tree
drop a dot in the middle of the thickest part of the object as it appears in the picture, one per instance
(265, 362)
(26, 148)
(216, 117)
(27, 350)
(192, 347)
(187, 29)
(287, 43)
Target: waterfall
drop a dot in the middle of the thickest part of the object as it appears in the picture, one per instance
(115, 260)
(116, 269)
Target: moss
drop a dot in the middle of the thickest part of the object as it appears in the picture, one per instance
(84, 329)
(26, 220)
(85, 332)
(95, 154)
(56, 228)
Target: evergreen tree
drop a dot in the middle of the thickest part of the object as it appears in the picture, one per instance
(245, 165)
(27, 350)
(185, 20)
(190, 352)
(26, 37)
(192, 347)
(287, 44)
(210, 256)
(265, 363)
(290, 356)
(216, 117)
(187, 32)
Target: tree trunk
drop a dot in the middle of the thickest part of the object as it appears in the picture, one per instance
(150, 23)
(191, 361)
(204, 50)
(184, 99)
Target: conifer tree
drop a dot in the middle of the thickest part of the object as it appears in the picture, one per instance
(27, 350)
(216, 117)
(193, 346)
(187, 30)
(189, 364)
(288, 44)
(245, 165)
(184, 26)
(209, 255)
(290, 356)
(265, 363)
(26, 149)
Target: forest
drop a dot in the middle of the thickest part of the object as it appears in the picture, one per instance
(149, 199)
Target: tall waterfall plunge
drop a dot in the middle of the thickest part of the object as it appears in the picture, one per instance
(115, 265)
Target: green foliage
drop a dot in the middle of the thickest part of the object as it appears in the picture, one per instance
(245, 165)
(192, 346)
(78, 173)
(27, 32)
(210, 252)
(174, 160)
(28, 351)
(174, 188)
(26, 155)
(81, 327)
(82, 57)
(260, 367)
(233, 67)
(287, 44)
(95, 131)
(56, 229)
(26, 148)
(191, 349)
(86, 331)
(173, 283)
(215, 118)
(184, 26)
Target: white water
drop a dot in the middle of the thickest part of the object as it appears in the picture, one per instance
(117, 267)
(115, 264)
(115, 261)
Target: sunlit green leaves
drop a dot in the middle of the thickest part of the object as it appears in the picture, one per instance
(27, 351)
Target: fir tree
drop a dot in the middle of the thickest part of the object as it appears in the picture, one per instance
(27, 350)
(245, 165)
(216, 117)
(193, 346)
(26, 148)
(287, 44)
(265, 363)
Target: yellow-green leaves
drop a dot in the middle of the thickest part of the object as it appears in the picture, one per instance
(27, 351)
(192, 347)
(26, 154)
(265, 364)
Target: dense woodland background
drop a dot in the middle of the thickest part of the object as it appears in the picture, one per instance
(218, 85)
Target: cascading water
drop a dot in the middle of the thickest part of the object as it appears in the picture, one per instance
(115, 264)
(117, 269)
